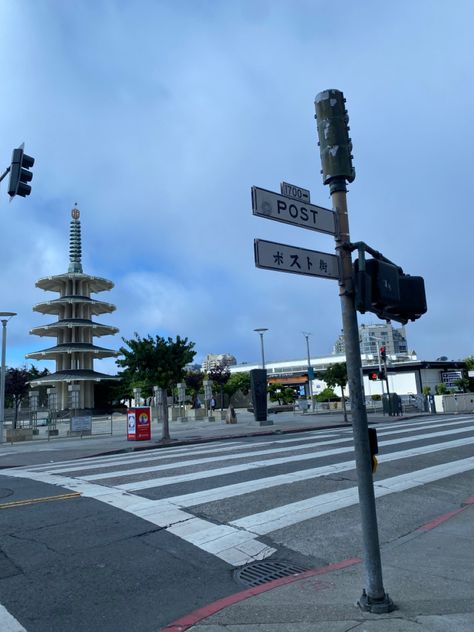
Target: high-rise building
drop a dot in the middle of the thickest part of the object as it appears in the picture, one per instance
(372, 337)
(212, 360)
(74, 329)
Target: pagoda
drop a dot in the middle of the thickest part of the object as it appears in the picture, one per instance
(74, 330)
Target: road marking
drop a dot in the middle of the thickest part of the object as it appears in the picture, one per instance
(287, 515)
(213, 459)
(182, 478)
(8, 623)
(232, 545)
(248, 487)
(32, 501)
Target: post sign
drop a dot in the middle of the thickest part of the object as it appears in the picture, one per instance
(274, 256)
(292, 211)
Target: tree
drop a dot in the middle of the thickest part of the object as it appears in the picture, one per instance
(238, 382)
(158, 362)
(220, 375)
(281, 394)
(441, 389)
(194, 381)
(336, 375)
(327, 395)
(16, 389)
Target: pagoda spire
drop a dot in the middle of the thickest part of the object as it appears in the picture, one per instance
(75, 251)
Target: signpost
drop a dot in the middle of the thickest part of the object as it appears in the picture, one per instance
(286, 209)
(292, 191)
(275, 256)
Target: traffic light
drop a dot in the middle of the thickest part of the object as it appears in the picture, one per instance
(335, 146)
(382, 287)
(20, 174)
(383, 354)
(373, 376)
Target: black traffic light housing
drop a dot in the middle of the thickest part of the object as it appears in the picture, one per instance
(381, 287)
(335, 146)
(20, 174)
(374, 376)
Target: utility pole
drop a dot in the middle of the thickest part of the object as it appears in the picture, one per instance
(336, 159)
(307, 334)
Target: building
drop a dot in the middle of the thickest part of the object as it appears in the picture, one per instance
(405, 377)
(372, 337)
(74, 329)
(212, 360)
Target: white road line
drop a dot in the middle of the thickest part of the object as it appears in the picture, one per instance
(85, 465)
(154, 455)
(231, 469)
(281, 517)
(248, 487)
(234, 546)
(8, 623)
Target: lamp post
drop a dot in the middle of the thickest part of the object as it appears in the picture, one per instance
(261, 331)
(307, 334)
(5, 317)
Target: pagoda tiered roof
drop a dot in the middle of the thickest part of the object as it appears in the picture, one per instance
(56, 283)
(53, 329)
(72, 375)
(54, 306)
(72, 347)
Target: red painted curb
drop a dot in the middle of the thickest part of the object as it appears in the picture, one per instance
(445, 517)
(206, 611)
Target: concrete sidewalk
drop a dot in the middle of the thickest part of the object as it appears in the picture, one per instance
(182, 433)
(429, 574)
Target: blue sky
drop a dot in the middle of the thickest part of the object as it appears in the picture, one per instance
(158, 117)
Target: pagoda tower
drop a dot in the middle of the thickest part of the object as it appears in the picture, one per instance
(74, 329)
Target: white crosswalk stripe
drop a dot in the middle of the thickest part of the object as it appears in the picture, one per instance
(209, 474)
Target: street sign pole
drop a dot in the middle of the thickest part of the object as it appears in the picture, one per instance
(335, 147)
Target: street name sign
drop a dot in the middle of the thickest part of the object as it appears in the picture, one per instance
(290, 211)
(294, 192)
(285, 258)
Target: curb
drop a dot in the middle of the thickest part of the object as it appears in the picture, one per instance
(187, 621)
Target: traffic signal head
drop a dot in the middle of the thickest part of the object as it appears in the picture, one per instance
(20, 174)
(383, 353)
(382, 288)
(373, 375)
(335, 146)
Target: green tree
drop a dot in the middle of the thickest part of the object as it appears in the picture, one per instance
(441, 389)
(194, 381)
(327, 395)
(220, 375)
(16, 389)
(281, 394)
(426, 389)
(238, 382)
(336, 375)
(158, 361)
(469, 363)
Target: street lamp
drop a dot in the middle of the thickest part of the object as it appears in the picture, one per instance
(4, 317)
(307, 334)
(261, 331)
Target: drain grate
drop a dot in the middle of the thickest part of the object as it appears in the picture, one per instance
(258, 573)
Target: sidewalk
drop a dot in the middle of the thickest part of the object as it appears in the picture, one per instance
(429, 574)
(182, 433)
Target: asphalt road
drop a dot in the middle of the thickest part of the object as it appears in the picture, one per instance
(132, 542)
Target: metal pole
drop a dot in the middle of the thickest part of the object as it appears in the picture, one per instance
(261, 331)
(374, 598)
(310, 381)
(5, 318)
(2, 383)
(263, 352)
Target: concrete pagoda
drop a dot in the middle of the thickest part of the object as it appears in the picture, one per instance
(74, 352)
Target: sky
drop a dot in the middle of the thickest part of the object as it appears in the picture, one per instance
(157, 118)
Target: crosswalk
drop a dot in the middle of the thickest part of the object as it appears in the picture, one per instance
(224, 497)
